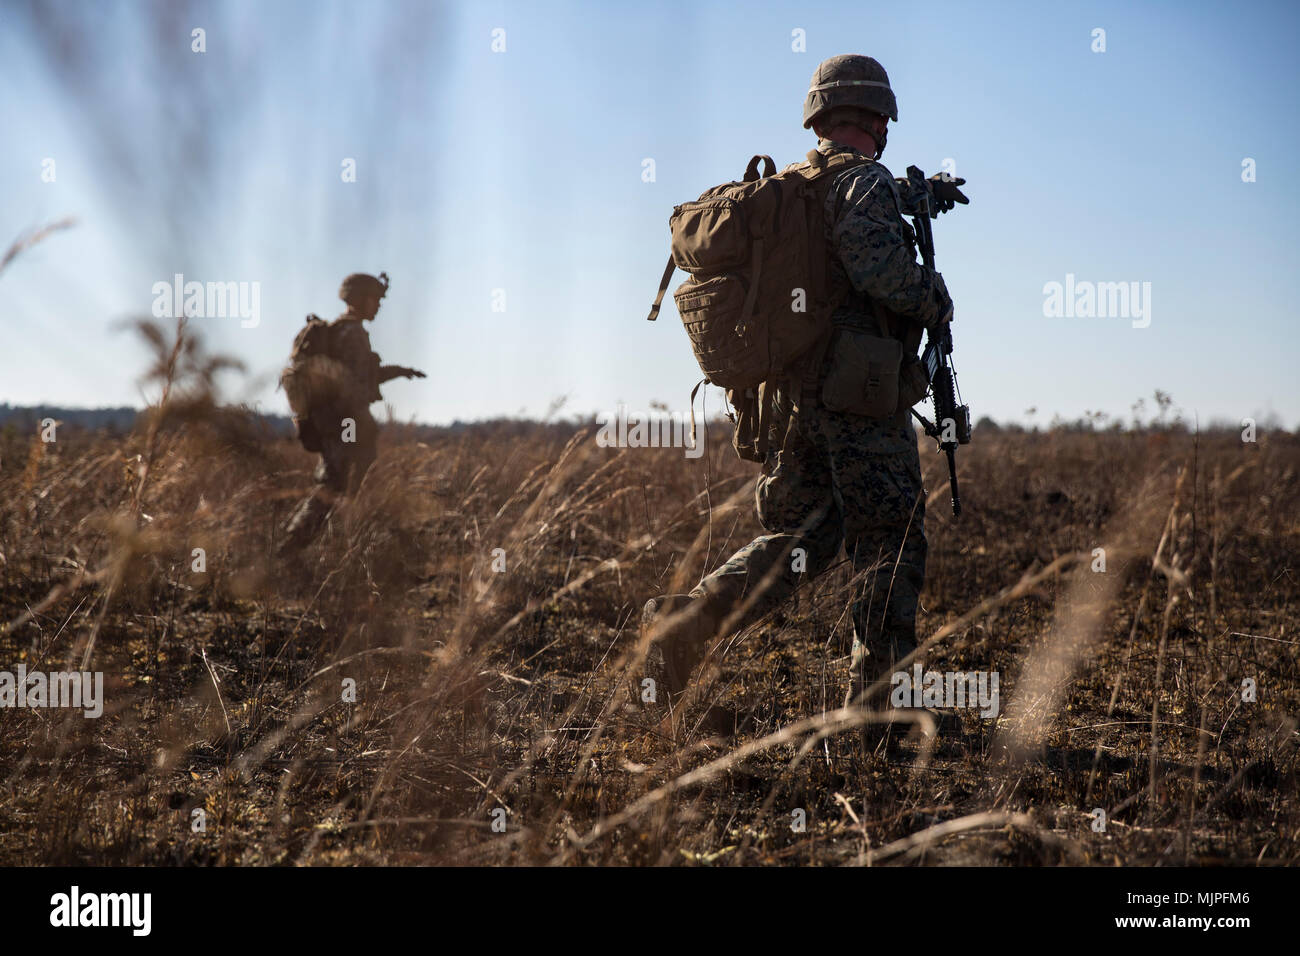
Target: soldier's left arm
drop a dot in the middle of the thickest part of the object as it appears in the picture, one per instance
(389, 372)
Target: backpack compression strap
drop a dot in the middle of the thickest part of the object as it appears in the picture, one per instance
(663, 287)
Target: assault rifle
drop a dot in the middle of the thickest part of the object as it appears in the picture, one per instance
(951, 425)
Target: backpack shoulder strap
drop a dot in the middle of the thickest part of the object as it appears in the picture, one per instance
(819, 164)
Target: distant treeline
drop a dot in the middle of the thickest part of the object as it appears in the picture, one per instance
(29, 417)
(112, 420)
(122, 420)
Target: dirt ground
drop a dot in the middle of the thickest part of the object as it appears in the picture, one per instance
(452, 674)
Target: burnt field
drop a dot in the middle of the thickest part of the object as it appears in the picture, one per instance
(453, 673)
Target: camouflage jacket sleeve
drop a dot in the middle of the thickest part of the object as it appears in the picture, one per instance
(875, 245)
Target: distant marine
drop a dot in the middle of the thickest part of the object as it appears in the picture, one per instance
(332, 377)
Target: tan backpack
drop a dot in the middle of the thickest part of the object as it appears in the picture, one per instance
(314, 379)
(759, 295)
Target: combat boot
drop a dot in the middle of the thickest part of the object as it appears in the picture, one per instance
(871, 661)
(681, 628)
(304, 525)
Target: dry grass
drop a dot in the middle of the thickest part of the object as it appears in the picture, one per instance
(479, 690)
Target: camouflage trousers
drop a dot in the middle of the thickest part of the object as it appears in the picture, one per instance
(339, 472)
(838, 480)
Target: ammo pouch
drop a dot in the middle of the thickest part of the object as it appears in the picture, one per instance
(913, 383)
(863, 373)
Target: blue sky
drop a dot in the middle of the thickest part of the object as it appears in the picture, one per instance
(522, 171)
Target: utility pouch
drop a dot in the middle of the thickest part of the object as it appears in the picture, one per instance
(745, 436)
(307, 433)
(863, 375)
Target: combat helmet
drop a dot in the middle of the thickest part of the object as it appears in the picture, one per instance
(850, 80)
(361, 284)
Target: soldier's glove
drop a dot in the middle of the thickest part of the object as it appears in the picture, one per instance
(415, 373)
(942, 304)
(944, 192)
(941, 190)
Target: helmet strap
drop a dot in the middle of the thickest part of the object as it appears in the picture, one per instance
(879, 141)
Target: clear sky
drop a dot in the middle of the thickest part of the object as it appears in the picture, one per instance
(522, 171)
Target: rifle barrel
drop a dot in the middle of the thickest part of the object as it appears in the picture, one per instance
(952, 483)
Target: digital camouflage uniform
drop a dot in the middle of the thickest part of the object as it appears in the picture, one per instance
(840, 478)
